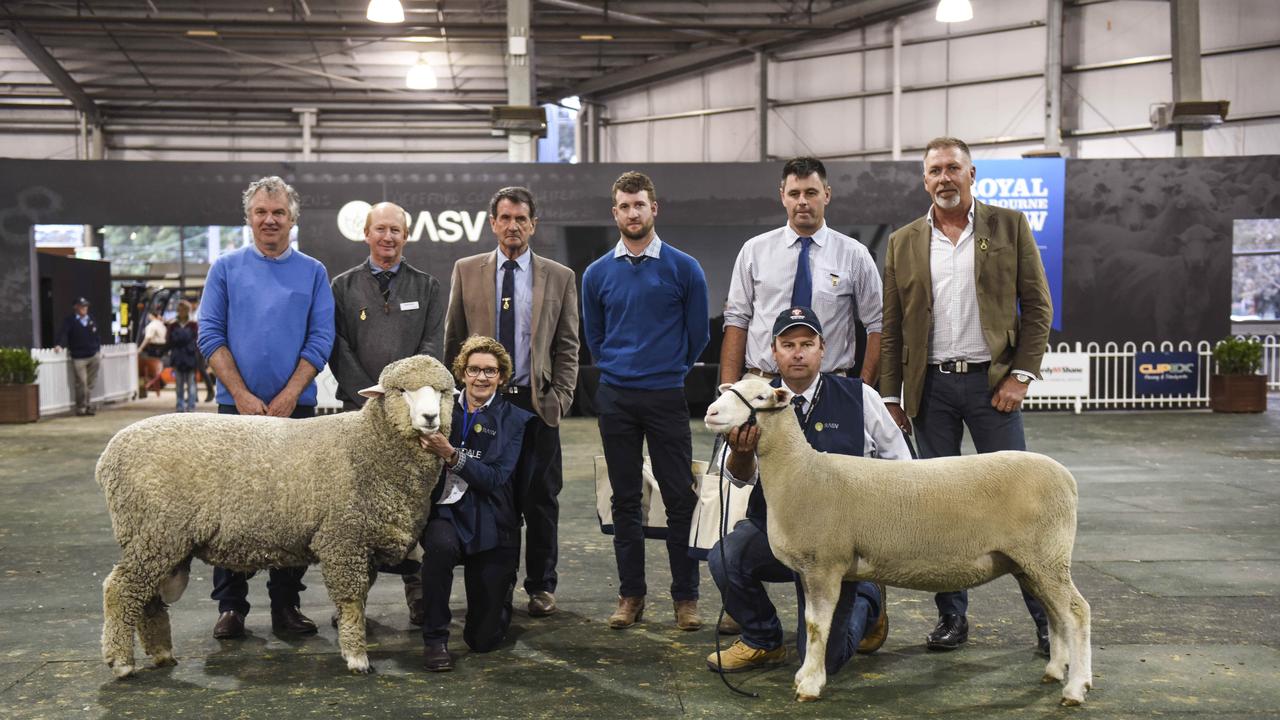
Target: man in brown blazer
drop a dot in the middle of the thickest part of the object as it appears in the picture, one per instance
(966, 323)
(530, 304)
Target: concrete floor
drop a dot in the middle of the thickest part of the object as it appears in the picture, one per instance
(1178, 552)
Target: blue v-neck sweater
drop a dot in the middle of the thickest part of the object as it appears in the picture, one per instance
(645, 324)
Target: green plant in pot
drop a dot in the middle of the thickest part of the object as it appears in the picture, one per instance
(19, 395)
(1237, 386)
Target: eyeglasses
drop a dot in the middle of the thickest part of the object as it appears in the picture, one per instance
(489, 372)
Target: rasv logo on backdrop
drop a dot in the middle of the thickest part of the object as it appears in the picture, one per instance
(446, 226)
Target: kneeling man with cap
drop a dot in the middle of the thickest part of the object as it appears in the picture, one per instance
(838, 415)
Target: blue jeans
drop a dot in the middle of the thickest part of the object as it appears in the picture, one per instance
(185, 389)
(950, 402)
(748, 563)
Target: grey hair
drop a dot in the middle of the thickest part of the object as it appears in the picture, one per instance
(272, 185)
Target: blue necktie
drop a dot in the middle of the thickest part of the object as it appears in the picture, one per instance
(507, 312)
(797, 401)
(802, 291)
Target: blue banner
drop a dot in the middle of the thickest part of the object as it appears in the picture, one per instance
(1037, 187)
(1165, 373)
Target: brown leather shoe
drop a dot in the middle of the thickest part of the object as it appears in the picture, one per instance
(728, 626)
(289, 620)
(542, 604)
(876, 634)
(687, 617)
(436, 658)
(629, 611)
(230, 626)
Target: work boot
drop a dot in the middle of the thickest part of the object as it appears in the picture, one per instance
(740, 656)
(542, 604)
(951, 632)
(436, 658)
(876, 634)
(629, 611)
(728, 626)
(687, 617)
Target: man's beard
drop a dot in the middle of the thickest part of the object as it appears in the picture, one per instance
(642, 234)
(947, 202)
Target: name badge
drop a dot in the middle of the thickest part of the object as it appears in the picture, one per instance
(409, 306)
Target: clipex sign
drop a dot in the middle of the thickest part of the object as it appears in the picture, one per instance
(445, 226)
(1166, 373)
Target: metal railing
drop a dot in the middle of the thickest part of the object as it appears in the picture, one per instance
(117, 377)
(1112, 375)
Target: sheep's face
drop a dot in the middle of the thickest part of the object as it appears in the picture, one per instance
(417, 394)
(730, 410)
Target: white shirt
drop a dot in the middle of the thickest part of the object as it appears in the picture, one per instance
(454, 486)
(881, 438)
(956, 331)
(155, 333)
(845, 281)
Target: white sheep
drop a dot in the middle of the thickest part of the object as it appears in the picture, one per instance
(934, 525)
(247, 493)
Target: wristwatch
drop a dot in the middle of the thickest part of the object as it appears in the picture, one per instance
(1023, 377)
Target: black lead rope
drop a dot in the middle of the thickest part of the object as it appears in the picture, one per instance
(724, 530)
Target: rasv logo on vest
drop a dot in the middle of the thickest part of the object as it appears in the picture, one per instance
(446, 226)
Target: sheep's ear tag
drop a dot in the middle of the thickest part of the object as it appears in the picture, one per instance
(373, 392)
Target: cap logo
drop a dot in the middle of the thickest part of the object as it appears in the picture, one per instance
(797, 312)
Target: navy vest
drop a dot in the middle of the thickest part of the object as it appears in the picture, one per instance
(834, 426)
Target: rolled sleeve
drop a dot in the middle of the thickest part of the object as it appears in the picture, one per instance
(887, 437)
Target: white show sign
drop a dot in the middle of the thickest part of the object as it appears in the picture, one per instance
(1065, 374)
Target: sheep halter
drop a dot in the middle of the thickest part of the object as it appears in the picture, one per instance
(751, 419)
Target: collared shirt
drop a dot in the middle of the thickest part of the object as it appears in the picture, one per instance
(279, 258)
(377, 270)
(523, 303)
(84, 320)
(845, 282)
(956, 330)
(454, 486)
(652, 250)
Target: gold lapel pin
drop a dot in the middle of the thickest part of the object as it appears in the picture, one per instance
(363, 314)
(982, 244)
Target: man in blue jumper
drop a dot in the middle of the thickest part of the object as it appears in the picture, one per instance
(644, 317)
(838, 415)
(266, 327)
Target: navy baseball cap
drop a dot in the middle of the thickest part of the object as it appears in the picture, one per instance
(80, 301)
(794, 316)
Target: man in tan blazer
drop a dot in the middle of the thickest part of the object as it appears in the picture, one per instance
(966, 323)
(530, 304)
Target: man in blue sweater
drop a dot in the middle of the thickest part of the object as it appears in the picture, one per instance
(266, 327)
(644, 317)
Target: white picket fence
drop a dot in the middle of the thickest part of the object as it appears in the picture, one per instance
(117, 377)
(1112, 374)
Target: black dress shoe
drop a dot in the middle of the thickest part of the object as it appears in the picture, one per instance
(436, 658)
(288, 620)
(1042, 640)
(951, 632)
(230, 626)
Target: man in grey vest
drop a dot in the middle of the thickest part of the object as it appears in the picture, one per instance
(385, 310)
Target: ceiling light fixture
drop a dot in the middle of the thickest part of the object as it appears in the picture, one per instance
(953, 11)
(385, 11)
(595, 37)
(421, 76)
(202, 33)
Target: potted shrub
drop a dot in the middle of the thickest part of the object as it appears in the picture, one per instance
(19, 395)
(1237, 385)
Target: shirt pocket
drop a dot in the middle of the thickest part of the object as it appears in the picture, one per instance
(830, 285)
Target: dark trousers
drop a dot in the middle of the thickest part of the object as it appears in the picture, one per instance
(629, 418)
(489, 578)
(950, 402)
(231, 589)
(748, 563)
(538, 479)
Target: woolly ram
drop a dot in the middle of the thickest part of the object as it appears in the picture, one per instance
(934, 525)
(247, 493)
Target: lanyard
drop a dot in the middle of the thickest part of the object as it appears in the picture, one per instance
(467, 417)
(817, 392)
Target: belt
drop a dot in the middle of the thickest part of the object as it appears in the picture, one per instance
(961, 367)
(516, 390)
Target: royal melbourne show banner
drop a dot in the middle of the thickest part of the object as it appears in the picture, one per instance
(1037, 187)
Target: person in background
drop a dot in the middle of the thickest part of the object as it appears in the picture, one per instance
(79, 334)
(182, 357)
(151, 352)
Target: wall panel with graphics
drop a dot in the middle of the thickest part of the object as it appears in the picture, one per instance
(1146, 252)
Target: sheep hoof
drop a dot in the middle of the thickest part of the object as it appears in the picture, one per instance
(1049, 678)
(359, 666)
(122, 671)
(164, 658)
(802, 697)
(1071, 702)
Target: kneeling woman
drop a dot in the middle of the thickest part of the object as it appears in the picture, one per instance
(473, 519)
